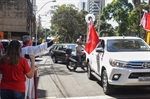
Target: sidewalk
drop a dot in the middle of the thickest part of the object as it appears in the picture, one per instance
(43, 78)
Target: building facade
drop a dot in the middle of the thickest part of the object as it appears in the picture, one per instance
(95, 6)
(82, 5)
(16, 18)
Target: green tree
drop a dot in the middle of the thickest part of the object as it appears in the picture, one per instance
(68, 23)
(134, 19)
(118, 10)
(105, 28)
(136, 3)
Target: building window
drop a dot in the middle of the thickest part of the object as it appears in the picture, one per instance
(83, 6)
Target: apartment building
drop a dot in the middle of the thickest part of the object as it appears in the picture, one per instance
(95, 6)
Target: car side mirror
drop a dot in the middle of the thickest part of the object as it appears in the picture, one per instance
(100, 50)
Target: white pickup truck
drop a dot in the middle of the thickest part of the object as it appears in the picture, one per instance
(120, 61)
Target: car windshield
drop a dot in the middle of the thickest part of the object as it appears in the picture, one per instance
(125, 45)
(73, 47)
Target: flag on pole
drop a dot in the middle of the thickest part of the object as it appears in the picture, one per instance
(92, 40)
(145, 21)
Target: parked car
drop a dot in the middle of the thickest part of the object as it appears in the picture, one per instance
(58, 51)
(120, 61)
(5, 42)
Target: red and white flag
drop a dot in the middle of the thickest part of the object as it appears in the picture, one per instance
(92, 40)
(145, 21)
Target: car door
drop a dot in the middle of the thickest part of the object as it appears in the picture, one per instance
(97, 57)
(58, 53)
(63, 52)
(54, 51)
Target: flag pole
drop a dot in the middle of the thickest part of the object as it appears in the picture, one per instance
(89, 18)
(92, 36)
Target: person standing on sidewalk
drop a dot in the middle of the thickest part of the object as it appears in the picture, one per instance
(36, 51)
(15, 69)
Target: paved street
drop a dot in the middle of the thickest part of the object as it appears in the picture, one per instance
(55, 81)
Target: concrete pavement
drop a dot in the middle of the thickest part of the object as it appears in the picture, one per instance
(51, 86)
(55, 81)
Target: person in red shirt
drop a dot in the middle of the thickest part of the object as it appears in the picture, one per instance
(15, 69)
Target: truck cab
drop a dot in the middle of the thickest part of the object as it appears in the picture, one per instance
(120, 61)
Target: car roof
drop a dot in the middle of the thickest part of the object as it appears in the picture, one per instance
(119, 37)
(7, 41)
(66, 44)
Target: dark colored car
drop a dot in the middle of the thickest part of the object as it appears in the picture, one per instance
(58, 51)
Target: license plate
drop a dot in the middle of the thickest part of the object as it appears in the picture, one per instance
(144, 78)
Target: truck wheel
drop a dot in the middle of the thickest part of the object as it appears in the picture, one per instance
(107, 88)
(54, 59)
(89, 72)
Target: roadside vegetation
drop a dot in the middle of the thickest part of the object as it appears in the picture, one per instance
(69, 23)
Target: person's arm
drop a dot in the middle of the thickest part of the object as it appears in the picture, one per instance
(32, 71)
(51, 42)
(38, 49)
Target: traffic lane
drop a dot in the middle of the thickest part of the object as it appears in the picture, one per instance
(57, 81)
(135, 92)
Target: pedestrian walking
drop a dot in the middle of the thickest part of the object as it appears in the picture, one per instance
(15, 69)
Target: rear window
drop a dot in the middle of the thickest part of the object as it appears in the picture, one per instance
(73, 47)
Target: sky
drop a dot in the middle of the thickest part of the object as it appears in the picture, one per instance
(45, 19)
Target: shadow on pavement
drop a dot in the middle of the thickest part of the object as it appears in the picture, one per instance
(37, 60)
(129, 92)
(50, 71)
(41, 93)
(81, 71)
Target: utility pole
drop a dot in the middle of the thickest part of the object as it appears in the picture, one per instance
(139, 3)
(149, 4)
(31, 32)
(37, 13)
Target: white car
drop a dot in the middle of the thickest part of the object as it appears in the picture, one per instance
(120, 61)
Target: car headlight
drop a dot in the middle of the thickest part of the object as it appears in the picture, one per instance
(117, 63)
